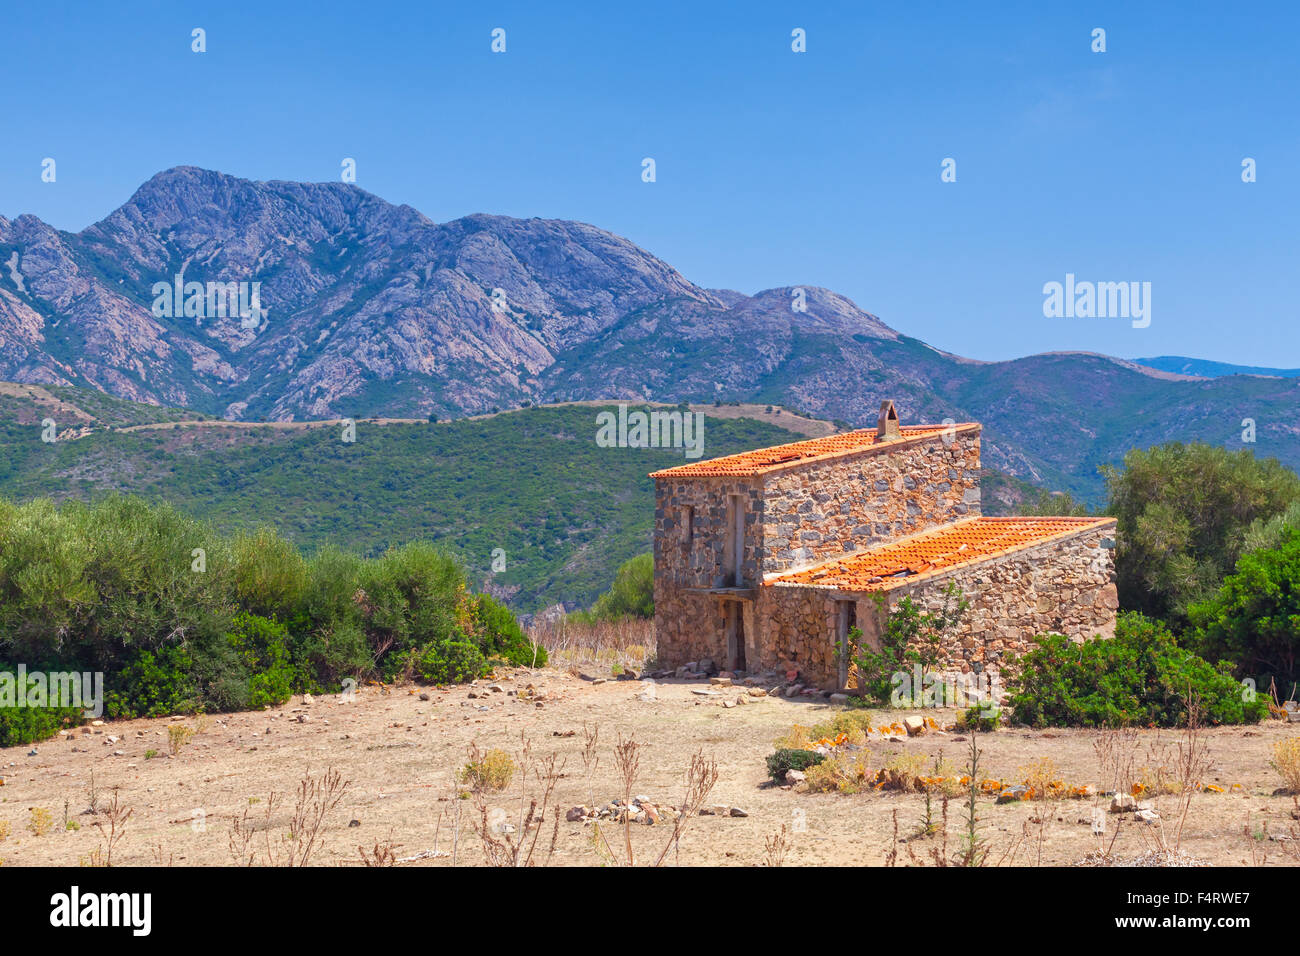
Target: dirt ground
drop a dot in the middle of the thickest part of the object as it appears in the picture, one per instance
(400, 755)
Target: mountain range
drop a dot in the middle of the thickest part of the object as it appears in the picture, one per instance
(372, 309)
(1205, 368)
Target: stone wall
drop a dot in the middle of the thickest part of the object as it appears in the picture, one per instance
(799, 632)
(815, 512)
(1065, 586)
(794, 517)
(688, 624)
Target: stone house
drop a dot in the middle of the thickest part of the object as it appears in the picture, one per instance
(766, 560)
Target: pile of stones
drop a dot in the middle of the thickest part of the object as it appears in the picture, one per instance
(644, 811)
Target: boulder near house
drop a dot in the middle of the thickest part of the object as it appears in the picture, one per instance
(766, 560)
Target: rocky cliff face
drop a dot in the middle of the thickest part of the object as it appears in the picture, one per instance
(373, 309)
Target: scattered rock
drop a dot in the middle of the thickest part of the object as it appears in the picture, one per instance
(1122, 803)
(1147, 816)
(793, 777)
(354, 823)
(915, 726)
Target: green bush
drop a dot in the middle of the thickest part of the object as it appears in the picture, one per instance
(910, 636)
(180, 618)
(451, 662)
(502, 637)
(153, 685)
(262, 646)
(1184, 513)
(788, 759)
(323, 655)
(1254, 619)
(977, 718)
(1140, 677)
(28, 725)
(632, 594)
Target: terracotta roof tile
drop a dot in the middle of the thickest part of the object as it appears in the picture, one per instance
(942, 549)
(768, 459)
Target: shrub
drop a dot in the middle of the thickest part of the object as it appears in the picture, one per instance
(1254, 618)
(323, 655)
(1042, 777)
(40, 821)
(501, 635)
(797, 737)
(262, 645)
(1139, 677)
(489, 771)
(852, 724)
(451, 662)
(409, 597)
(979, 719)
(909, 636)
(790, 759)
(841, 773)
(1286, 761)
(153, 685)
(1183, 512)
(632, 594)
(28, 725)
(269, 574)
(180, 618)
(178, 735)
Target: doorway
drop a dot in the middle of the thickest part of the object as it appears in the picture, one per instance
(735, 617)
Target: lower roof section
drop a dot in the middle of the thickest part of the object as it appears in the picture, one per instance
(969, 541)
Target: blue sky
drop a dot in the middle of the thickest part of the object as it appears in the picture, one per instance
(773, 167)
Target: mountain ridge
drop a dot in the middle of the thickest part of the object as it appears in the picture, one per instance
(373, 309)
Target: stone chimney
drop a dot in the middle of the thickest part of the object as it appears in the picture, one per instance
(887, 424)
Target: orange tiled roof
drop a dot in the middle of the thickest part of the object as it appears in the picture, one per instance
(942, 549)
(767, 459)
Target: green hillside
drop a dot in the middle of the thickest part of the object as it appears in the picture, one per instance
(532, 482)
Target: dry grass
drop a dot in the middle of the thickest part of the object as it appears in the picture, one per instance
(112, 829)
(838, 773)
(317, 798)
(39, 821)
(1286, 761)
(606, 646)
(178, 735)
(490, 770)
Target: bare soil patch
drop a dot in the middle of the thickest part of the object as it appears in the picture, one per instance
(401, 755)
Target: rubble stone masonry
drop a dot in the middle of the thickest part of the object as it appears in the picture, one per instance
(825, 509)
(1064, 586)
